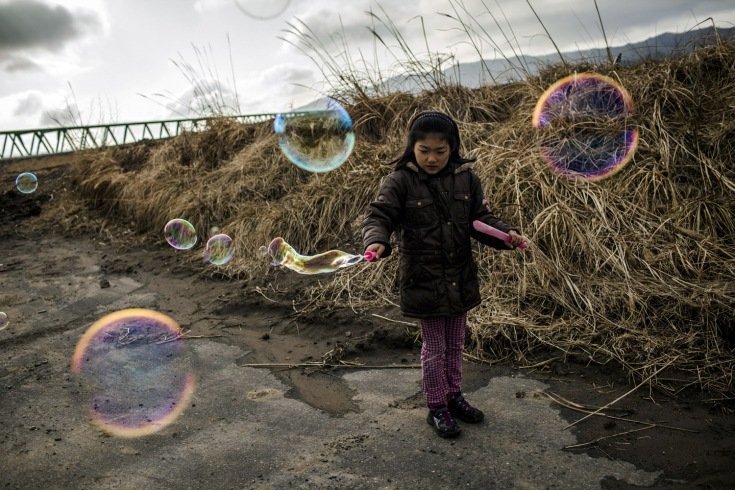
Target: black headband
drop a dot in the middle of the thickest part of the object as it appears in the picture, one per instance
(434, 114)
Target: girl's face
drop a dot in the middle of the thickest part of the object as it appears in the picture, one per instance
(432, 153)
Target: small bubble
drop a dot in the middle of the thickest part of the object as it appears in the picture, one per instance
(262, 9)
(180, 234)
(3, 320)
(26, 183)
(219, 249)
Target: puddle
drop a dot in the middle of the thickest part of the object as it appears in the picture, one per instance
(324, 391)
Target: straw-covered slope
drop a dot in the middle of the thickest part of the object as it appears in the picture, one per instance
(637, 268)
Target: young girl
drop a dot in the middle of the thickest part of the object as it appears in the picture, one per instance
(431, 199)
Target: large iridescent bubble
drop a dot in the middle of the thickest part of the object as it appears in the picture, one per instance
(587, 128)
(317, 139)
(137, 371)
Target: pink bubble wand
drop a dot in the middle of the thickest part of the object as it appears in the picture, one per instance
(489, 230)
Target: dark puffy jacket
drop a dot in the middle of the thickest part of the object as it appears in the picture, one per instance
(438, 275)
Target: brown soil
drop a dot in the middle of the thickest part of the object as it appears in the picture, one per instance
(258, 315)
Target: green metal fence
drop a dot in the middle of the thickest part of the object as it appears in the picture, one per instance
(27, 143)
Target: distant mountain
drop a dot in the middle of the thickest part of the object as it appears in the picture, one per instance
(517, 68)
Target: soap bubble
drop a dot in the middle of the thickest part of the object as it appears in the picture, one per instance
(588, 132)
(318, 139)
(3, 320)
(283, 254)
(262, 9)
(180, 234)
(263, 252)
(26, 183)
(137, 370)
(219, 249)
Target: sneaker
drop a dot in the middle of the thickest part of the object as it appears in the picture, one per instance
(461, 409)
(443, 422)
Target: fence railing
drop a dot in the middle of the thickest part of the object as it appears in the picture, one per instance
(27, 143)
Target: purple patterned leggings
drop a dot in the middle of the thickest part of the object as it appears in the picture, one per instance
(441, 357)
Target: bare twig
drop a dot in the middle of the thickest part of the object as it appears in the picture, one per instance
(604, 36)
(602, 438)
(260, 292)
(394, 321)
(581, 408)
(558, 51)
(623, 395)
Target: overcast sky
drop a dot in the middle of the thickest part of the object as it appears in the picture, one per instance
(132, 60)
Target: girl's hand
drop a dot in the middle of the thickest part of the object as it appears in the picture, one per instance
(376, 248)
(515, 239)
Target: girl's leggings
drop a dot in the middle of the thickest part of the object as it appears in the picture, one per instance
(441, 357)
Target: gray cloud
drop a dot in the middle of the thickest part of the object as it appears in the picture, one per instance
(17, 63)
(330, 25)
(205, 98)
(69, 115)
(289, 74)
(33, 24)
(28, 105)
(28, 26)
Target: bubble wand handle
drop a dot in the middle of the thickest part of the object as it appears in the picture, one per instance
(489, 230)
(370, 256)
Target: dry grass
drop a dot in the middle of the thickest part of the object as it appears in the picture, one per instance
(636, 269)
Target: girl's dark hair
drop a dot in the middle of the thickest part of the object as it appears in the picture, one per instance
(432, 122)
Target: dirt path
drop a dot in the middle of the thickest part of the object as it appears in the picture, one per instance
(297, 428)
